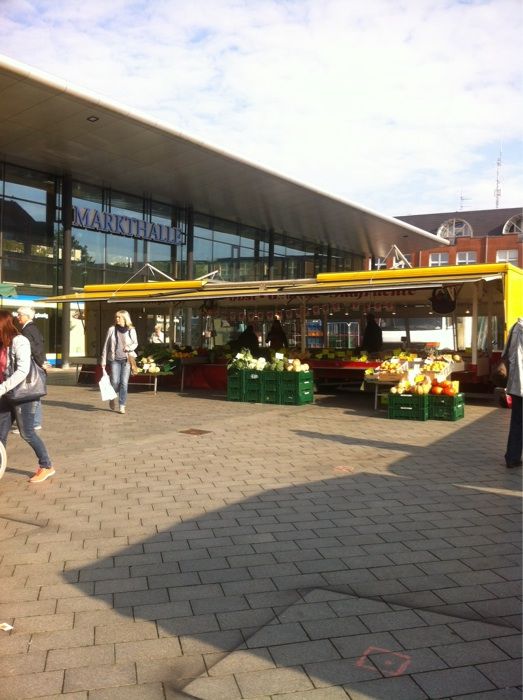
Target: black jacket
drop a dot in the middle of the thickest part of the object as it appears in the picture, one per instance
(36, 339)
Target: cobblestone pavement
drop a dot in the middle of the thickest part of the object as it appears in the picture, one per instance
(199, 548)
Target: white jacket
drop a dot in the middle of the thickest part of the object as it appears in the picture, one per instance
(109, 347)
(20, 352)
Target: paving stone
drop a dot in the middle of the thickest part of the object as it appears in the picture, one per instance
(386, 621)
(238, 662)
(456, 681)
(338, 672)
(468, 653)
(22, 664)
(146, 691)
(63, 639)
(44, 623)
(403, 688)
(221, 688)
(147, 649)
(272, 681)
(126, 631)
(503, 673)
(426, 636)
(504, 694)
(512, 646)
(96, 676)
(33, 685)
(176, 672)
(209, 642)
(316, 694)
(303, 652)
(80, 656)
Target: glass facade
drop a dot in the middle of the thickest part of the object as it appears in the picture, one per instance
(32, 242)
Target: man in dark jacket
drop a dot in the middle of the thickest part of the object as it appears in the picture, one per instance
(25, 315)
(372, 337)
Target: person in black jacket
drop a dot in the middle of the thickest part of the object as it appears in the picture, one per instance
(248, 339)
(25, 316)
(373, 336)
(276, 337)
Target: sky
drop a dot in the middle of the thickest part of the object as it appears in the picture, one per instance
(402, 106)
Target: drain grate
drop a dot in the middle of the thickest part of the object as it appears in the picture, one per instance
(195, 431)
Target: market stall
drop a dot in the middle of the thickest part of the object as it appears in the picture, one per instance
(328, 310)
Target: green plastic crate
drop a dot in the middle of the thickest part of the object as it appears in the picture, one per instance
(271, 386)
(446, 407)
(302, 380)
(291, 397)
(409, 406)
(253, 385)
(235, 386)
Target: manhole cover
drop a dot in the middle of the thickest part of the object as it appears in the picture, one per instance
(195, 431)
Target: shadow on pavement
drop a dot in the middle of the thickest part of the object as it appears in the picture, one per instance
(390, 584)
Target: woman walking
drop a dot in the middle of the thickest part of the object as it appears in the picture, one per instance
(15, 362)
(120, 343)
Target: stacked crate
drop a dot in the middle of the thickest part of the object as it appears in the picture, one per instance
(288, 388)
(409, 406)
(443, 407)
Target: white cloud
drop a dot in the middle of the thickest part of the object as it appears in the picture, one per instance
(395, 104)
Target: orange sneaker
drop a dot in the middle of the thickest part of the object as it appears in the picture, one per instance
(41, 475)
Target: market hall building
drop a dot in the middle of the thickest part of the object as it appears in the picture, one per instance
(91, 192)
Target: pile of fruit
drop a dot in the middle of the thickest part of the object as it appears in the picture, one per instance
(421, 384)
(346, 355)
(446, 387)
(394, 367)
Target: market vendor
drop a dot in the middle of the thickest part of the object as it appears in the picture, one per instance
(373, 336)
(247, 339)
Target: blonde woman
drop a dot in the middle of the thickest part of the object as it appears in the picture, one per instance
(120, 343)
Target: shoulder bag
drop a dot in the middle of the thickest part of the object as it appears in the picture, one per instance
(499, 376)
(32, 388)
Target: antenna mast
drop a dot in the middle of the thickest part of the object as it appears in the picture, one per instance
(461, 200)
(497, 191)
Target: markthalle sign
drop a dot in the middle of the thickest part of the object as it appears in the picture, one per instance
(105, 222)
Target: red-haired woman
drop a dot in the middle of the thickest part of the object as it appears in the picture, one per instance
(15, 360)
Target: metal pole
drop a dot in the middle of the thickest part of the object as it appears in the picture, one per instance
(67, 221)
(475, 323)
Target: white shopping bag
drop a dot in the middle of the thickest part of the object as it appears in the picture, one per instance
(106, 388)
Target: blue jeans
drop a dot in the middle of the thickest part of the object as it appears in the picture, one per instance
(38, 412)
(25, 419)
(120, 373)
(515, 434)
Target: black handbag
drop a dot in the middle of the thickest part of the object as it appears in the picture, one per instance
(32, 388)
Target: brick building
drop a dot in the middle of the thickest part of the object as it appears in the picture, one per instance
(484, 236)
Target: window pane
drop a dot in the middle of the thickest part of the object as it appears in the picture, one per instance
(467, 257)
(88, 246)
(160, 256)
(30, 272)
(508, 256)
(126, 205)
(438, 259)
(27, 184)
(87, 196)
(120, 252)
